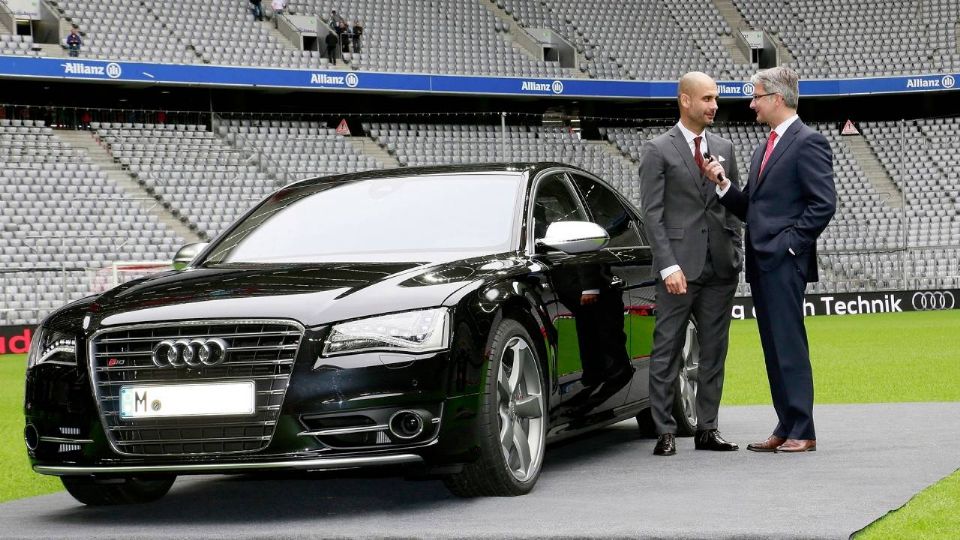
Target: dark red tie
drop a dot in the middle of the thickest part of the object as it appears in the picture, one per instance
(697, 154)
(766, 154)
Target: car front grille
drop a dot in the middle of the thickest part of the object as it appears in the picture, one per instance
(258, 351)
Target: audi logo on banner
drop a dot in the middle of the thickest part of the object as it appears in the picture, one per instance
(189, 353)
(932, 300)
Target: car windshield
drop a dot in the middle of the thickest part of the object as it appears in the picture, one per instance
(415, 218)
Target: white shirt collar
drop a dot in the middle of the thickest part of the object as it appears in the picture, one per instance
(782, 128)
(689, 136)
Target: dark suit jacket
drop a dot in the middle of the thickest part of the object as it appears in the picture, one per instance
(789, 205)
(680, 209)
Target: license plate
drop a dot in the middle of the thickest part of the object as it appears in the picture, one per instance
(213, 399)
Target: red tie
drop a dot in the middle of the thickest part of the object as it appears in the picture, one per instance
(697, 155)
(768, 151)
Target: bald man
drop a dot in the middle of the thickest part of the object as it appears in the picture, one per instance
(697, 257)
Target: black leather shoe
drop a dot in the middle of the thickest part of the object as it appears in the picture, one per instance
(710, 439)
(666, 445)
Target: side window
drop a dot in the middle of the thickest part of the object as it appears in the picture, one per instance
(609, 213)
(553, 202)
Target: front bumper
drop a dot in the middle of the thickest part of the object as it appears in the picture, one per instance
(329, 463)
(323, 396)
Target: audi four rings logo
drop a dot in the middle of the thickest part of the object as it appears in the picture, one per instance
(189, 352)
(930, 301)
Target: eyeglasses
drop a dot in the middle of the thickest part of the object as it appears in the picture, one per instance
(758, 96)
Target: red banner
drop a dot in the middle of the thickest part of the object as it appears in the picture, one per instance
(15, 339)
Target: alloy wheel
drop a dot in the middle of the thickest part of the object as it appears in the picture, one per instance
(690, 373)
(520, 406)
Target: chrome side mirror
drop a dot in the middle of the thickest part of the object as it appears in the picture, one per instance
(187, 254)
(573, 237)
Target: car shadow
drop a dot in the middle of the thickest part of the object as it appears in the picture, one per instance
(274, 497)
(321, 495)
(595, 445)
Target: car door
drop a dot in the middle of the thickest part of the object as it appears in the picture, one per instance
(631, 265)
(554, 199)
(582, 361)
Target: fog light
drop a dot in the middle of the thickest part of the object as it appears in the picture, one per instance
(406, 424)
(31, 436)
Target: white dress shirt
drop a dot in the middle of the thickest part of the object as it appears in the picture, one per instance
(689, 136)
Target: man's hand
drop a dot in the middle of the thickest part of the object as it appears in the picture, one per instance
(586, 299)
(676, 283)
(712, 170)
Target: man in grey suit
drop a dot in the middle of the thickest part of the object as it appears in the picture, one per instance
(697, 256)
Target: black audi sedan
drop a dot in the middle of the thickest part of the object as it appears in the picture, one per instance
(455, 319)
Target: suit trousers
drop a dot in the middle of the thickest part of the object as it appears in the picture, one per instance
(709, 299)
(778, 299)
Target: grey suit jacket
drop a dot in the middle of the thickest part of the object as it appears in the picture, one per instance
(681, 211)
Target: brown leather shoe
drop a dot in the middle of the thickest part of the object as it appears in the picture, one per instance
(798, 445)
(769, 445)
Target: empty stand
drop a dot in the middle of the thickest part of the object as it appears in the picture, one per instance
(62, 212)
(59, 210)
(121, 30)
(624, 39)
(200, 177)
(14, 44)
(294, 150)
(861, 38)
(431, 36)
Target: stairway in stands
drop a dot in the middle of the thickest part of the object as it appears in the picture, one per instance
(105, 161)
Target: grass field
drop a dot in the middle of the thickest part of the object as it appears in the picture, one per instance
(856, 359)
(880, 358)
(931, 514)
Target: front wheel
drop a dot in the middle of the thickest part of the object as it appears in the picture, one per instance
(123, 490)
(512, 423)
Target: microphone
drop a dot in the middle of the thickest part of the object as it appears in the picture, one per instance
(710, 158)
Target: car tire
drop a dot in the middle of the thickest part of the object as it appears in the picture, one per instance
(110, 491)
(687, 383)
(513, 409)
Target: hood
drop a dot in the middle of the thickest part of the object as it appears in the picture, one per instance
(311, 294)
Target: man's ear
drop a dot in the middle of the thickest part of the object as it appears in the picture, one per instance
(684, 100)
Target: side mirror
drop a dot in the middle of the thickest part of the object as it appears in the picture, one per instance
(187, 254)
(573, 237)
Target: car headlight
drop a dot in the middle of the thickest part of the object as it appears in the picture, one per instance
(52, 347)
(419, 331)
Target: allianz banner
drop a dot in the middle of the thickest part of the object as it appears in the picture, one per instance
(15, 339)
(864, 302)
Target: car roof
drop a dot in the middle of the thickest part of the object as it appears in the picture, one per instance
(402, 172)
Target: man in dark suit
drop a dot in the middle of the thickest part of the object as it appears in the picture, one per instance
(788, 200)
(697, 259)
